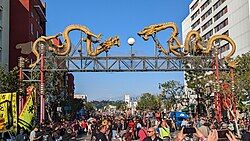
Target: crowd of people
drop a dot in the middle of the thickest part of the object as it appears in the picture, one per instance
(142, 127)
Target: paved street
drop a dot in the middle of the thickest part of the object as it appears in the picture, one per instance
(87, 138)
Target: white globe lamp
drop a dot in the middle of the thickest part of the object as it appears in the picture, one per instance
(131, 41)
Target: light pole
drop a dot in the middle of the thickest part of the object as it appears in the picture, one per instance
(42, 83)
(131, 42)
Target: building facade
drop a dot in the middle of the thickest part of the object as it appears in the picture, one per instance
(27, 23)
(4, 32)
(81, 96)
(212, 17)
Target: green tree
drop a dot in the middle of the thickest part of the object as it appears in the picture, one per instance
(242, 80)
(243, 72)
(88, 106)
(8, 80)
(120, 105)
(171, 93)
(148, 102)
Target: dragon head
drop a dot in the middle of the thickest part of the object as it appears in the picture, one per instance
(144, 34)
(116, 41)
(112, 41)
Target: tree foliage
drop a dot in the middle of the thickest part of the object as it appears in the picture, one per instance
(197, 80)
(88, 106)
(171, 93)
(148, 102)
(242, 80)
(8, 80)
(243, 72)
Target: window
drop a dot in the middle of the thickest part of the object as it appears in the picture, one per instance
(199, 30)
(209, 34)
(218, 3)
(205, 5)
(195, 14)
(195, 24)
(32, 14)
(37, 34)
(195, 5)
(220, 14)
(1, 39)
(224, 48)
(1, 55)
(1, 45)
(221, 25)
(203, 17)
(226, 33)
(1, 18)
(207, 24)
(31, 29)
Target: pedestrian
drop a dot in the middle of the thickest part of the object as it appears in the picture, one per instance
(203, 128)
(33, 136)
(127, 136)
(142, 133)
(22, 136)
(246, 135)
(151, 135)
(101, 136)
(164, 131)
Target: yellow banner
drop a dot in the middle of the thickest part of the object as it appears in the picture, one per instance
(27, 114)
(8, 113)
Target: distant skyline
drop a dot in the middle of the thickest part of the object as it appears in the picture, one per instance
(125, 19)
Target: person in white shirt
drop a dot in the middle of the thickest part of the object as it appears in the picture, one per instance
(33, 135)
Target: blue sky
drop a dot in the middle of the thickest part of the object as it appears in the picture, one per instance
(123, 18)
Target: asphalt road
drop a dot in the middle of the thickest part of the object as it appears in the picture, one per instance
(87, 138)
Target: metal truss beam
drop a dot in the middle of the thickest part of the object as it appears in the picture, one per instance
(132, 64)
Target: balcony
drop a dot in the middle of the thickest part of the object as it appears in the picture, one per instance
(40, 12)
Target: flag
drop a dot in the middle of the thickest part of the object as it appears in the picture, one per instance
(27, 114)
(8, 112)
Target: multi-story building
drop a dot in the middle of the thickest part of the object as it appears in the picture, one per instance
(211, 17)
(81, 96)
(4, 32)
(127, 98)
(27, 23)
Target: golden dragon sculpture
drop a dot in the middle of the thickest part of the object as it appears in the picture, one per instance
(193, 37)
(227, 58)
(104, 46)
(173, 42)
(65, 48)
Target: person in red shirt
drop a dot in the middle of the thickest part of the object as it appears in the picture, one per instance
(84, 126)
(131, 126)
(142, 133)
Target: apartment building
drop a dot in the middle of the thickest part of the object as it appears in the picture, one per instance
(4, 32)
(212, 17)
(27, 23)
